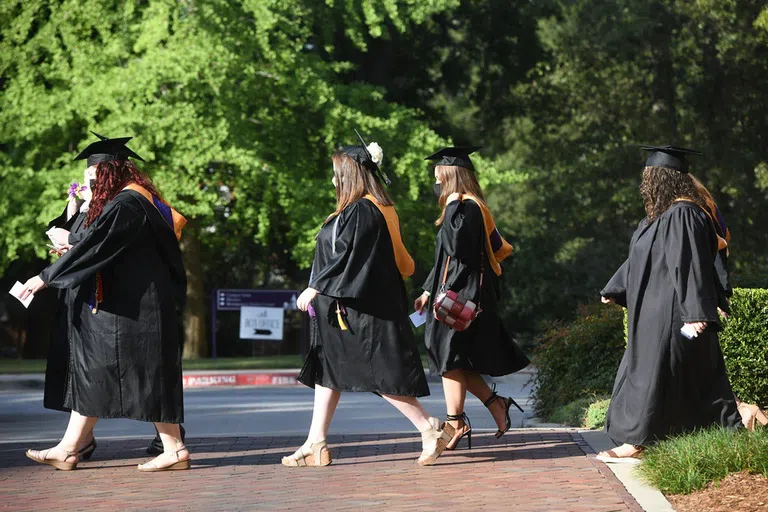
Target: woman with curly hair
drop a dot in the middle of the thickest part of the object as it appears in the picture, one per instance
(129, 286)
(672, 377)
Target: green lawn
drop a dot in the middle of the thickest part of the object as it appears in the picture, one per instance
(222, 363)
(688, 463)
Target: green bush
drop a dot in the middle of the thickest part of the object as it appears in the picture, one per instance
(596, 413)
(578, 360)
(745, 345)
(572, 414)
(688, 463)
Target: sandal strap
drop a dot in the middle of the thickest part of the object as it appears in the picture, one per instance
(494, 396)
(459, 417)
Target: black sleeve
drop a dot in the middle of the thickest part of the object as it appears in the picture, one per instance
(689, 240)
(616, 288)
(460, 238)
(460, 233)
(115, 229)
(346, 273)
(427, 286)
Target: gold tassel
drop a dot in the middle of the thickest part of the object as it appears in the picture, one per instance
(340, 317)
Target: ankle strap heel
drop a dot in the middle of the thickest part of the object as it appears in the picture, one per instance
(465, 433)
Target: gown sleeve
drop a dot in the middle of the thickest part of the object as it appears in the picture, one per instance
(346, 272)
(616, 288)
(460, 238)
(116, 228)
(689, 249)
(427, 286)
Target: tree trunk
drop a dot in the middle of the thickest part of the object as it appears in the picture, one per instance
(195, 342)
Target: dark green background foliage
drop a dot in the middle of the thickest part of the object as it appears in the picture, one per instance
(578, 360)
(745, 345)
(238, 104)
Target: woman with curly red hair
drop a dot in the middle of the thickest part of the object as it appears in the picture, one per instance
(128, 279)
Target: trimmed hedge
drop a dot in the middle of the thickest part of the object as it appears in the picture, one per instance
(745, 345)
(578, 360)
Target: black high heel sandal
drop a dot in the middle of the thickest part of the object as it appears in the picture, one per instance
(508, 402)
(466, 433)
(86, 452)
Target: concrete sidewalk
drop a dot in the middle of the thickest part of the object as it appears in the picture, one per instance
(526, 470)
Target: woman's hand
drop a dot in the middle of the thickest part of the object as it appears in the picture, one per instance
(306, 297)
(697, 326)
(607, 300)
(420, 303)
(59, 237)
(32, 286)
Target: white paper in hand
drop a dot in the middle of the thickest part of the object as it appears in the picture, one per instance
(16, 292)
(418, 318)
(689, 331)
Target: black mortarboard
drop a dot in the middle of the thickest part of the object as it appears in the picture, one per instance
(362, 156)
(671, 157)
(105, 150)
(454, 156)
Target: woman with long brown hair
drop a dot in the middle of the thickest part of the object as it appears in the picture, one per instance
(468, 258)
(361, 339)
(129, 286)
(672, 377)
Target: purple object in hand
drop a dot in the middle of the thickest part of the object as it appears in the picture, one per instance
(311, 311)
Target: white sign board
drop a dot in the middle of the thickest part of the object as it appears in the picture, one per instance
(257, 323)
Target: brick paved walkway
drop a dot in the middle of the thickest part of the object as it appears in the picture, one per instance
(530, 470)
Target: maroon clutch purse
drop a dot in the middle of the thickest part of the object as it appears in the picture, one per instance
(454, 310)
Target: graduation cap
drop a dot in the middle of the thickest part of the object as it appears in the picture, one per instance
(106, 149)
(361, 155)
(672, 157)
(458, 156)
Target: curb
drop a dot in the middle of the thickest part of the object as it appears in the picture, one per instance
(195, 379)
(649, 498)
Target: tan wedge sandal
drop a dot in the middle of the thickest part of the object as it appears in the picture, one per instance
(40, 456)
(179, 465)
(315, 455)
(751, 414)
(433, 442)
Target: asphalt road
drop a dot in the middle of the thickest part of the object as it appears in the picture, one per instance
(253, 411)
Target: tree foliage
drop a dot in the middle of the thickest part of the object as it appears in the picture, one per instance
(237, 106)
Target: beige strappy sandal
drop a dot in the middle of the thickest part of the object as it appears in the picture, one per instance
(40, 456)
(315, 455)
(433, 442)
(150, 466)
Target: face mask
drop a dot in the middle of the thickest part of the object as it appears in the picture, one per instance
(438, 188)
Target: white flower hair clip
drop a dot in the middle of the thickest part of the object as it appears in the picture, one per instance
(377, 154)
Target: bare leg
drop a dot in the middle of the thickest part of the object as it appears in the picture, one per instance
(478, 387)
(411, 408)
(326, 400)
(314, 452)
(173, 447)
(455, 388)
(78, 429)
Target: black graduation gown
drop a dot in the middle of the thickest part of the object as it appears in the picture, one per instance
(667, 384)
(125, 360)
(485, 347)
(378, 352)
(57, 365)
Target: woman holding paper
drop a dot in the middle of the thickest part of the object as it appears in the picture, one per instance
(129, 283)
(361, 340)
(672, 377)
(468, 259)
